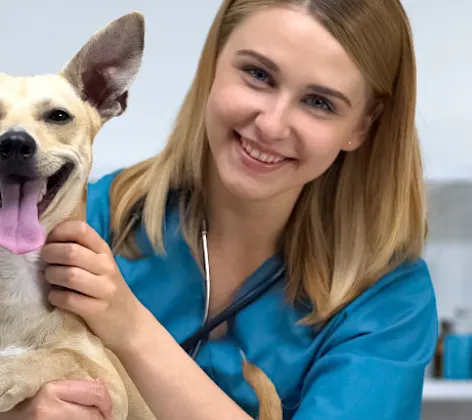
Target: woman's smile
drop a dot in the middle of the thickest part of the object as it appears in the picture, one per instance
(256, 157)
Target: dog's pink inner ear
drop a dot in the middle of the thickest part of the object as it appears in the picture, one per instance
(100, 89)
(105, 67)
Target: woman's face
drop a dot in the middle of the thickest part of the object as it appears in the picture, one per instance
(286, 99)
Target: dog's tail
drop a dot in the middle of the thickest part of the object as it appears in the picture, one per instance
(270, 406)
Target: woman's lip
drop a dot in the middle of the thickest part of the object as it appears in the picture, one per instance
(256, 165)
(251, 145)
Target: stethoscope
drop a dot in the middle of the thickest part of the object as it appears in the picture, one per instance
(192, 345)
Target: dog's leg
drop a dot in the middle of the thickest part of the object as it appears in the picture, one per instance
(49, 364)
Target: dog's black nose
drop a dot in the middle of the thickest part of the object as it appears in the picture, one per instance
(17, 146)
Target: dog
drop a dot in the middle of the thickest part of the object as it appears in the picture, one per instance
(47, 128)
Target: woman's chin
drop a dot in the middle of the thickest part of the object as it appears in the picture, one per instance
(243, 182)
(246, 189)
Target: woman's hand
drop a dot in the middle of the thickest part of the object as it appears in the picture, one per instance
(71, 400)
(80, 260)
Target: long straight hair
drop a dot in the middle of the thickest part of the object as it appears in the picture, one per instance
(360, 219)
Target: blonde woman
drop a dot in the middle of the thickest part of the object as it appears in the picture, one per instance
(295, 150)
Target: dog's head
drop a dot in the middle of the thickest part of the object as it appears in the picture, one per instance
(47, 127)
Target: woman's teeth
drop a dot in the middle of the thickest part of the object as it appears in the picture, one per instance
(260, 156)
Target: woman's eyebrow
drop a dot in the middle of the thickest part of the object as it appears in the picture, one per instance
(270, 65)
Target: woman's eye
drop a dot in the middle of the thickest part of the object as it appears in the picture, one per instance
(319, 103)
(260, 75)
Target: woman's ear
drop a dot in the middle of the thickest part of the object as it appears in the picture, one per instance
(360, 134)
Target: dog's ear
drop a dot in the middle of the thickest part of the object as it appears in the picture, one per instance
(103, 70)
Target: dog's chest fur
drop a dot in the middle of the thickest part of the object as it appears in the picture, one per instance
(25, 319)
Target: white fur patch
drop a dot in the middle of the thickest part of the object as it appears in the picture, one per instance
(13, 351)
(21, 282)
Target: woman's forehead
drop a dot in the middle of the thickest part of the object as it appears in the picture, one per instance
(302, 49)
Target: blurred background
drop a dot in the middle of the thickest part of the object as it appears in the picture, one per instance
(40, 37)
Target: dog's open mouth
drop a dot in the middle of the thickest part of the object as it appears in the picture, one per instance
(53, 185)
(23, 201)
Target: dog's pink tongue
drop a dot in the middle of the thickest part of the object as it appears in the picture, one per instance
(20, 230)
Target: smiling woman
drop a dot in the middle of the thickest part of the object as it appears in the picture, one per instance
(294, 152)
(294, 95)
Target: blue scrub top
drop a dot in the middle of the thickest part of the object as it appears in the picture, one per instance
(367, 362)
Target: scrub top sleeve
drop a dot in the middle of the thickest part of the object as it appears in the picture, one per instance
(374, 363)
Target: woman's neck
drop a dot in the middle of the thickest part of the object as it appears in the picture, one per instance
(242, 235)
(247, 226)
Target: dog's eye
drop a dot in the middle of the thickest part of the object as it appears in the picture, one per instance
(58, 116)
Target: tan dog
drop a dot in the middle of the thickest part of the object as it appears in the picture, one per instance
(47, 127)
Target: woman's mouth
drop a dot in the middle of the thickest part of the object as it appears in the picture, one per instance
(264, 157)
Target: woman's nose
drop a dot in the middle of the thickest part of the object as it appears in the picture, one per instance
(272, 121)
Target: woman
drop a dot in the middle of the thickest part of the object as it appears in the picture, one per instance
(296, 147)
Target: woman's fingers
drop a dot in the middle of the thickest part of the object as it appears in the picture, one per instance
(82, 305)
(66, 399)
(80, 232)
(78, 245)
(73, 255)
(86, 393)
(79, 280)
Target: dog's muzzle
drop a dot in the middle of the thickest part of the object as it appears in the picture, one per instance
(17, 153)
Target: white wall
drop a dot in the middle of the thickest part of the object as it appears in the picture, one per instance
(40, 36)
(443, 43)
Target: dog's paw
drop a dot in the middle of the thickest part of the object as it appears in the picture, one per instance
(13, 390)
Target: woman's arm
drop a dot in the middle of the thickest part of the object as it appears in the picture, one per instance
(171, 383)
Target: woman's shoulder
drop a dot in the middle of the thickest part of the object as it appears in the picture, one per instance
(403, 300)
(98, 208)
(96, 188)
(409, 284)
(378, 345)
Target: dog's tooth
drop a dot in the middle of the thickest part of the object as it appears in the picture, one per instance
(42, 193)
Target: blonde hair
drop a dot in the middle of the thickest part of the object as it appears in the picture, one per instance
(363, 217)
